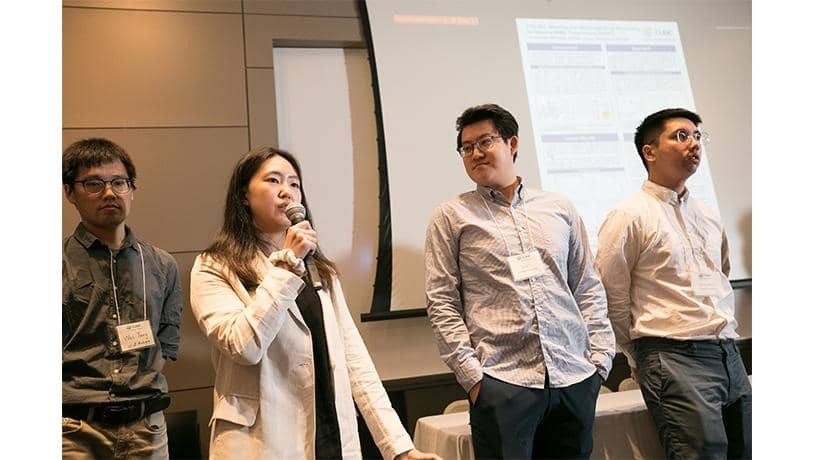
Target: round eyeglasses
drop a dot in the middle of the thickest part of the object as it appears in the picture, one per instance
(119, 185)
(682, 136)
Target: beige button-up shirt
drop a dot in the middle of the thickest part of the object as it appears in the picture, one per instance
(649, 248)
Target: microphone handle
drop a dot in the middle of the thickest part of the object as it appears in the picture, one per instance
(311, 271)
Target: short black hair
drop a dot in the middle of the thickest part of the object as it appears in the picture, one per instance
(504, 121)
(92, 152)
(653, 125)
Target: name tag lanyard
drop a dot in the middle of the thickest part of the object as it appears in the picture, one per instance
(706, 280)
(681, 227)
(524, 266)
(138, 335)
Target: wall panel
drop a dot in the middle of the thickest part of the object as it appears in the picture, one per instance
(147, 68)
(262, 107)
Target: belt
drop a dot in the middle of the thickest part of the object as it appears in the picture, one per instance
(676, 345)
(117, 413)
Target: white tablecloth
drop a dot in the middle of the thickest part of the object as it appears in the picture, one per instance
(622, 430)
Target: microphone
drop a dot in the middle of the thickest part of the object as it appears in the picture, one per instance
(296, 213)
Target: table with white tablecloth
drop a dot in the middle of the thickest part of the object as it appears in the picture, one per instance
(622, 429)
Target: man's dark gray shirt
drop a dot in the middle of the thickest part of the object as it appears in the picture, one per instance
(94, 369)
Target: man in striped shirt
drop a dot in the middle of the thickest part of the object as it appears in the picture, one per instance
(518, 311)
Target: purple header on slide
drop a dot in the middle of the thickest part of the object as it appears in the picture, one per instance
(587, 137)
(562, 47)
(645, 72)
(661, 48)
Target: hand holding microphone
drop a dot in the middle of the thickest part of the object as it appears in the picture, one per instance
(296, 213)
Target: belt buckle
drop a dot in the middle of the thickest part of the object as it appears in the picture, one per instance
(119, 415)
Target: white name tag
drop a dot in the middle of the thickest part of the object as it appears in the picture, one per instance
(706, 284)
(525, 266)
(135, 336)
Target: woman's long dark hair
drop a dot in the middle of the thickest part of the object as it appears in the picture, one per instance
(238, 242)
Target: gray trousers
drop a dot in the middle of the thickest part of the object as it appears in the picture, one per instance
(698, 395)
(142, 439)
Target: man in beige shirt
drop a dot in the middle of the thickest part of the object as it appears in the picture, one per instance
(663, 259)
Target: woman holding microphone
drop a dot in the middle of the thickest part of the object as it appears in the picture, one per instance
(289, 361)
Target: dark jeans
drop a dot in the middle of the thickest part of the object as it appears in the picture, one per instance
(514, 422)
(698, 395)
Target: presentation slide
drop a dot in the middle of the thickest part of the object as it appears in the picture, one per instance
(589, 84)
(579, 76)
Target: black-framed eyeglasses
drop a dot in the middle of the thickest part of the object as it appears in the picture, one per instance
(484, 144)
(119, 185)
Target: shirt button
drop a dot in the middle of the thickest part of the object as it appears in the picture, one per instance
(114, 343)
(116, 371)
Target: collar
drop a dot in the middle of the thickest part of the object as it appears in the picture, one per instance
(87, 239)
(497, 195)
(665, 194)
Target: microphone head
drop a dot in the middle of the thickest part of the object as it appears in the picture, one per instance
(296, 213)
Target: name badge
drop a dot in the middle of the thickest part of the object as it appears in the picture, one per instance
(525, 266)
(706, 284)
(135, 336)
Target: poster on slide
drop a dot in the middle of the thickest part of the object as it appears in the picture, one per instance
(589, 85)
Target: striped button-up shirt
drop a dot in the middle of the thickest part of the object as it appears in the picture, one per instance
(517, 331)
(649, 247)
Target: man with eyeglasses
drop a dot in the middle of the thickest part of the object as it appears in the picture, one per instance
(663, 259)
(518, 311)
(121, 311)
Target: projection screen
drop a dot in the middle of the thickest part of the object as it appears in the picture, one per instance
(579, 76)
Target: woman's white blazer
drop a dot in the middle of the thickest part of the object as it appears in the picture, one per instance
(264, 394)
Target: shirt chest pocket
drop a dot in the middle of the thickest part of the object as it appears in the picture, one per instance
(80, 288)
(666, 250)
(76, 297)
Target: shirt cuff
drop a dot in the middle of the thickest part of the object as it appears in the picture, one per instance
(470, 374)
(602, 362)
